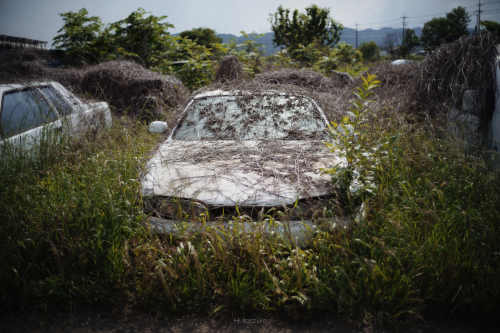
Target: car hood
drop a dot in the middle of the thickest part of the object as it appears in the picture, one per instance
(245, 173)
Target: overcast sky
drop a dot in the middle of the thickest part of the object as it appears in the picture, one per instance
(39, 19)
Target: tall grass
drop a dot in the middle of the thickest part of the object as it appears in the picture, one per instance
(71, 234)
(66, 213)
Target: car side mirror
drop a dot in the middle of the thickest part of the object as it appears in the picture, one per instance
(158, 127)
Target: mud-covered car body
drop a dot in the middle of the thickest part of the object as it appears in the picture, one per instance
(245, 154)
(30, 113)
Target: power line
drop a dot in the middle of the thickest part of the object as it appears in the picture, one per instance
(382, 22)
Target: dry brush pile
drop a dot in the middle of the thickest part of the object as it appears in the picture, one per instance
(128, 87)
(465, 68)
(228, 69)
(132, 89)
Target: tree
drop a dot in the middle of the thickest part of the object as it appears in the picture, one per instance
(202, 36)
(391, 40)
(458, 20)
(370, 50)
(142, 38)
(445, 29)
(410, 42)
(313, 26)
(345, 54)
(81, 37)
(492, 26)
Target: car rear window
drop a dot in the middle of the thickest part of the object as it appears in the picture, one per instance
(252, 118)
(22, 110)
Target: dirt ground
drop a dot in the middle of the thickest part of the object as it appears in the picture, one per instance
(99, 321)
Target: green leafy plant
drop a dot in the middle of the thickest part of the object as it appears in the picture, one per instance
(346, 55)
(81, 37)
(249, 52)
(306, 55)
(492, 26)
(313, 26)
(369, 50)
(202, 36)
(197, 72)
(445, 29)
(354, 177)
(410, 42)
(142, 38)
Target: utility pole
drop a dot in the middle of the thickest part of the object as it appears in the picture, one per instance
(479, 16)
(404, 25)
(356, 35)
(404, 18)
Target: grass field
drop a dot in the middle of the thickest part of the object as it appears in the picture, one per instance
(72, 234)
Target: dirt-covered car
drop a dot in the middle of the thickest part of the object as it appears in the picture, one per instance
(247, 154)
(33, 112)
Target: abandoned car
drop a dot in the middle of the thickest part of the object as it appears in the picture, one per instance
(245, 154)
(30, 113)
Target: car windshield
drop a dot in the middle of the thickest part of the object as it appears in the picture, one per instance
(252, 117)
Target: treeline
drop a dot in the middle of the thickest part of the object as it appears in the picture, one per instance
(307, 39)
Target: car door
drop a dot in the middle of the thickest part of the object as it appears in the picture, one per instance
(27, 119)
(78, 116)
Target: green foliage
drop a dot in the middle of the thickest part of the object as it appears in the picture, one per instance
(306, 55)
(459, 20)
(410, 42)
(81, 37)
(355, 175)
(313, 26)
(282, 59)
(141, 38)
(202, 36)
(445, 29)
(197, 72)
(492, 26)
(326, 64)
(249, 52)
(346, 54)
(370, 50)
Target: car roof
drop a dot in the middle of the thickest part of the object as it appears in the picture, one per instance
(15, 86)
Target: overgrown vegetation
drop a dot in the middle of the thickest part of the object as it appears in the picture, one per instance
(73, 234)
(74, 231)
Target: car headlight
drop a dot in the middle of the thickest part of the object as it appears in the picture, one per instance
(175, 207)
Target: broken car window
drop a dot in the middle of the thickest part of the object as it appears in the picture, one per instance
(251, 118)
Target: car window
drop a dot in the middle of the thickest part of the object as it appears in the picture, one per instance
(22, 110)
(61, 105)
(251, 118)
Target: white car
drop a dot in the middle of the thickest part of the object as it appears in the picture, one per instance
(248, 154)
(402, 62)
(30, 113)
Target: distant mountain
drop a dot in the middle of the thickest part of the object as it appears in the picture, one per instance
(348, 36)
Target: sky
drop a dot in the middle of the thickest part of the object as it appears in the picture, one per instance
(39, 19)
